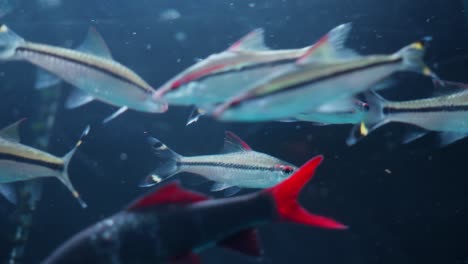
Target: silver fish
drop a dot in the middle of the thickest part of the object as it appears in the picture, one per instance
(223, 75)
(90, 68)
(348, 111)
(238, 166)
(447, 114)
(19, 162)
(327, 73)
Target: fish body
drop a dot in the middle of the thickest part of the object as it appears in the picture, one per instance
(90, 69)
(223, 75)
(447, 114)
(174, 224)
(316, 79)
(348, 111)
(238, 166)
(19, 162)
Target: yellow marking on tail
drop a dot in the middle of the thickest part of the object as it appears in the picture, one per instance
(363, 129)
(156, 178)
(427, 71)
(417, 45)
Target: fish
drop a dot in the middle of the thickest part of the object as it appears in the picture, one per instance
(446, 114)
(19, 162)
(173, 224)
(222, 75)
(90, 68)
(348, 111)
(327, 73)
(237, 167)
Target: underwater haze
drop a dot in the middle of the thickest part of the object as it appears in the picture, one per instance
(402, 203)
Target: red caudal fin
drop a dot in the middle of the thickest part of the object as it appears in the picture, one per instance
(169, 194)
(245, 241)
(286, 193)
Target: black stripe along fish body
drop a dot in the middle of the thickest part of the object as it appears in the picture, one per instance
(19, 162)
(237, 167)
(172, 225)
(327, 73)
(446, 114)
(90, 68)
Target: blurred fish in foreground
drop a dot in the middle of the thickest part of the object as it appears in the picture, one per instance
(238, 166)
(91, 68)
(19, 162)
(173, 224)
(328, 72)
(446, 114)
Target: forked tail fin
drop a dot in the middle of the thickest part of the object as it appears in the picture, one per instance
(286, 193)
(374, 118)
(65, 179)
(168, 163)
(413, 58)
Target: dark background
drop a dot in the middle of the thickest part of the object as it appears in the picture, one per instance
(414, 213)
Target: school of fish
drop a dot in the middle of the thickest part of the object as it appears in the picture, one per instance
(324, 83)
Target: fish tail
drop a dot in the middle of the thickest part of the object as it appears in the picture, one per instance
(9, 41)
(66, 161)
(374, 118)
(168, 167)
(285, 196)
(413, 55)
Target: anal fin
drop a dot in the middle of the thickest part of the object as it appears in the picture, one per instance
(245, 241)
(447, 138)
(45, 79)
(78, 98)
(229, 190)
(8, 191)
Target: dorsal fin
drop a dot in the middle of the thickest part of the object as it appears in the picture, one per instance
(171, 193)
(330, 47)
(233, 143)
(11, 132)
(95, 44)
(255, 40)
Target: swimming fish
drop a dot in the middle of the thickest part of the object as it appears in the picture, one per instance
(91, 69)
(223, 75)
(238, 166)
(173, 225)
(19, 162)
(348, 111)
(447, 114)
(326, 73)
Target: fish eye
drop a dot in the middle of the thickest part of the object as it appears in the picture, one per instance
(288, 169)
(285, 168)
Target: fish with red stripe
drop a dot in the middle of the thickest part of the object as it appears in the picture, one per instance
(223, 75)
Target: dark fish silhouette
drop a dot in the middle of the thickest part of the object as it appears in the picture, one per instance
(172, 224)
